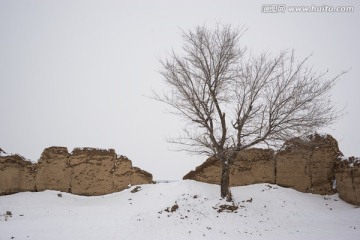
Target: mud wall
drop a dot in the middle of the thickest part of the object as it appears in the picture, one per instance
(84, 171)
(347, 173)
(314, 164)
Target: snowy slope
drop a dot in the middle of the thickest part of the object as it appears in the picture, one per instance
(265, 212)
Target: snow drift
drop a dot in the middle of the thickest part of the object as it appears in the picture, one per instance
(179, 210)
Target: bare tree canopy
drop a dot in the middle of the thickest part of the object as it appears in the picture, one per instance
(234, 100)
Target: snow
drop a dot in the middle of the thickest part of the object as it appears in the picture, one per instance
(351, 160)
(91, 149)
(4, 154)
(265, 212)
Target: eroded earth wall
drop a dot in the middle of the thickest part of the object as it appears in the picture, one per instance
(347, 173)
(313, 164)
(84, 171)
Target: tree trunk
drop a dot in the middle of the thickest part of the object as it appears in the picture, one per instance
(225, 179)
(226, 160)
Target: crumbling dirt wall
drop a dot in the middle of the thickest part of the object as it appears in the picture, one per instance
(307, 165)
(85, 171)
(250, 166)
(347, 172)
(16, 174)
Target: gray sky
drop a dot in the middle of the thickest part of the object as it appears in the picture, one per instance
(76, 73)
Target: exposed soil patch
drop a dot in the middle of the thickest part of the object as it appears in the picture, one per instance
(173, 208)
(136, 189)
(227, 208)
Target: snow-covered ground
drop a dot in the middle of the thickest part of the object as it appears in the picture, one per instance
(265, 212)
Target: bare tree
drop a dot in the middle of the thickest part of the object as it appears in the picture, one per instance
(234, 100)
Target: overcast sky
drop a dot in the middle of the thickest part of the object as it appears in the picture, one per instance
(77, 73)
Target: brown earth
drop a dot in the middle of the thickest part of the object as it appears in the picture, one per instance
(16, 174)
(53, 172)
(253, 166)
(250, 166)
(307, 165)
(86, 171)
(347, 174)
